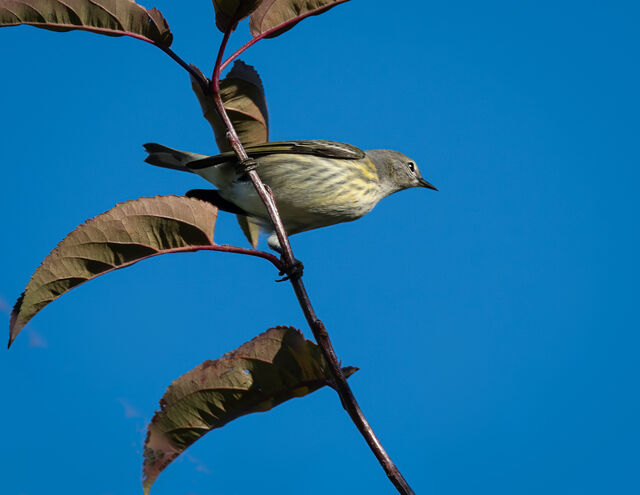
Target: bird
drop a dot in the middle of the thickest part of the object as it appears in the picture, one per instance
(315, 183)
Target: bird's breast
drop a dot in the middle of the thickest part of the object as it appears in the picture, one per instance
(311, 191)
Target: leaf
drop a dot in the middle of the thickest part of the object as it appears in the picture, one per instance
(286, 13)
(108, 17)
(128, 233)
(243, 97)
(274, 367)
(229, 12)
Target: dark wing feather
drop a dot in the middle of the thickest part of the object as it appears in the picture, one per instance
(213, 196)
(325, 149)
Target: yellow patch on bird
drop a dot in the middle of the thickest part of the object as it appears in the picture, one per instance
(369, 170)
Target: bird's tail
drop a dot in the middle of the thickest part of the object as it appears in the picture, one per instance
(163, 156)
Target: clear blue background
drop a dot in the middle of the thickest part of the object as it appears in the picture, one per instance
(495, 322)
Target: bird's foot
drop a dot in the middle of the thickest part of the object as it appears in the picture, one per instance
(292, 271)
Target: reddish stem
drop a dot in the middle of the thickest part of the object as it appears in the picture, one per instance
(202, 82)
(222, 248)
(217, 69)
(228, 248)
(269, 32)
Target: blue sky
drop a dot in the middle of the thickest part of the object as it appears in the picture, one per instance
(494, 321)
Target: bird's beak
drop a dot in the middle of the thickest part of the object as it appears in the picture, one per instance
(428, 185)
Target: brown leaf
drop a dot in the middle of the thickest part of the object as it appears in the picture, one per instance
(243, 97)
(128, 233)
(229, 12)
(108, 17)
(286, 13)
(276, 366)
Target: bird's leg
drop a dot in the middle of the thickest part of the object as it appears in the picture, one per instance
(292, 271)
(245, 166)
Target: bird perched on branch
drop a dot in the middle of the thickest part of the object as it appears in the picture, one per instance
(315, 183)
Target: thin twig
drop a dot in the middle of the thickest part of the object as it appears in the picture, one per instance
(195, 74)
(228, 248)
(217, 69)
(269, 32)
(317, 327)
(222, 248)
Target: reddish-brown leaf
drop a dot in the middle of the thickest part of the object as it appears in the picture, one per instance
(276, 366)
(286, 13)
(229, 12)
(128, 233)
(108, 17)
(243, 97)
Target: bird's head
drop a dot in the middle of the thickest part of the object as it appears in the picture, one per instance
(397, 171)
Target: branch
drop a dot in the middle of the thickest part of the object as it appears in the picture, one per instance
(228, 248)
(288, 263)
(343, 389)
(234, 140)
(222, 248)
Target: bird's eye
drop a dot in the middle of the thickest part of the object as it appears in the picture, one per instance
(412, 166)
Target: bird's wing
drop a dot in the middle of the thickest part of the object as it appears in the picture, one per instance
(213, 196)
(325, 149)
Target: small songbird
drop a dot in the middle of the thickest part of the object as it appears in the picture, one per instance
(315, 183)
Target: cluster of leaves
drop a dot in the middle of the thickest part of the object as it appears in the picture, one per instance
(275, 366)
(127, 18)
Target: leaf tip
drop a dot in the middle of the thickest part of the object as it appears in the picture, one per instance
(13, 333)
(15, 322)
(349, 370)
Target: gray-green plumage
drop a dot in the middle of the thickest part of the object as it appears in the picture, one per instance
(315, 183)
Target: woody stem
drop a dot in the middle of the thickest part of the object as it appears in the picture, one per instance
(317, 327)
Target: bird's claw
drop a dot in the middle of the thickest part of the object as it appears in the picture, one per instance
(292, 271)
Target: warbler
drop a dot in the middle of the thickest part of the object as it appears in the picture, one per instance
(315, 183)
